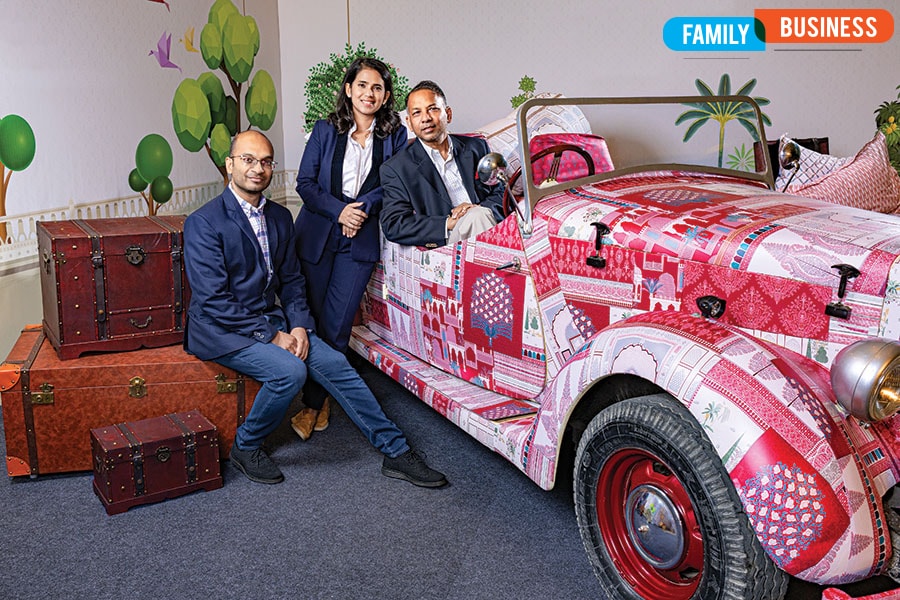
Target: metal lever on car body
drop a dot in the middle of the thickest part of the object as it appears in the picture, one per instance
(515, 264)
(595, 260)
(839, 309)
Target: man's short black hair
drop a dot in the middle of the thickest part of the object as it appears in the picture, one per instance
(427, 84)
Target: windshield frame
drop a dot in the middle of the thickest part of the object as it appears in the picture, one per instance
(533, 193)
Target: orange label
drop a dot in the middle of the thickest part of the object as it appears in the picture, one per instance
(825, 26)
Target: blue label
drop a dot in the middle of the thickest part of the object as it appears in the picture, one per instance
(713, 34)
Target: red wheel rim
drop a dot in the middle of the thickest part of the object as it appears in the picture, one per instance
(623, 473)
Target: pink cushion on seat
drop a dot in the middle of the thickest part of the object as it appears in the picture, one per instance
(572, 165)
(866, 181)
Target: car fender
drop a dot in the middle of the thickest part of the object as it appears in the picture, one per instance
(771, 417)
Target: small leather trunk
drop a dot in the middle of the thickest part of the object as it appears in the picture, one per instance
(112, 284)
(154, 459)
(51, 405)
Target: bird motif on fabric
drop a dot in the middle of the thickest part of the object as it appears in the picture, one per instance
(163, 48)
(188, 40)
(163, 2)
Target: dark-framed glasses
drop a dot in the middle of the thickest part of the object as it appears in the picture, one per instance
(250, 161)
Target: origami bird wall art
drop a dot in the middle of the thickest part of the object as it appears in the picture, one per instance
(188, 40)
(163, 48)
(163, 2)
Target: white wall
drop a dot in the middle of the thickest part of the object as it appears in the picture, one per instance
(477, 51)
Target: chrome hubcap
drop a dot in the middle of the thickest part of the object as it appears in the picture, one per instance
(654, 526)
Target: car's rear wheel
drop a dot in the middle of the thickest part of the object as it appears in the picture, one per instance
(658, 514)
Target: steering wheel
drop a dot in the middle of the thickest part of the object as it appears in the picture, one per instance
(510, 201)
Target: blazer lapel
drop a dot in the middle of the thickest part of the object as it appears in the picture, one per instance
(236, 213)
(462, 155)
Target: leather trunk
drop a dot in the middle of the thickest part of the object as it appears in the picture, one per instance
(112, 284)
(154, 459)
(50, 405)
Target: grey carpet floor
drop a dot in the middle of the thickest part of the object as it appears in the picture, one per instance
(335, 529)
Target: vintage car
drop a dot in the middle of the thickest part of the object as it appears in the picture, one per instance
(714, 362)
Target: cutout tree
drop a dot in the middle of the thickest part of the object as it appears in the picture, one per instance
(203, 115)
(153, 158)
(16, 153)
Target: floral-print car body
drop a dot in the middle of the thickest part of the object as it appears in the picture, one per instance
(710, 454)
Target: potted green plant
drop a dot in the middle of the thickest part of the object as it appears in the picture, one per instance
(887, 119)
(325, 78)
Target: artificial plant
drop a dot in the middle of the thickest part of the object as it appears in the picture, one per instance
(887, 119)
(324, 82)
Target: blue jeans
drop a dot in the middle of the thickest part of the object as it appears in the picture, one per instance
(282, 375)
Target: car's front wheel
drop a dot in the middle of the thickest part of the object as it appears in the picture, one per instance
(658, 514)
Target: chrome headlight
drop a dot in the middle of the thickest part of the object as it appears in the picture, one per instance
(865, 378)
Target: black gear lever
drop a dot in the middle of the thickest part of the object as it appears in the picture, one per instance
(595, 260)
(839, 309)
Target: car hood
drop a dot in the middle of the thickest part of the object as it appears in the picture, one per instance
(771, 257)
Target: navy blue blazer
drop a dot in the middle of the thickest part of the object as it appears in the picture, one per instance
(321, 208)
(230, 298)
(416, 201)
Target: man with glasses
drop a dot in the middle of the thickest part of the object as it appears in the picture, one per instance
(248, 311)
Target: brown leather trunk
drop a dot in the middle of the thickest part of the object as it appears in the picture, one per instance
(112, 284)
(50, 405)
(154, 459)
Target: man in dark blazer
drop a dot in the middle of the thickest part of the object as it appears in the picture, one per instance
(432, 195)
(248, 311)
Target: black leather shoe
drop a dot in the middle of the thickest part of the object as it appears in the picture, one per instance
(256, 465)
(411, 467)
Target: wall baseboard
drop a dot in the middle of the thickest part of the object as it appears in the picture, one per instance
(19, 251)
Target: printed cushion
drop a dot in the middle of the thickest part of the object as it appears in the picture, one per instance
(502, 137)
(812, 166)
(866, 181)
(571, 164)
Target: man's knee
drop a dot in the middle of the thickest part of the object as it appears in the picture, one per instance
(291, 375)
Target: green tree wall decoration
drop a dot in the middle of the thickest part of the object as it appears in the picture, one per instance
(153, 158)
(722, 112)
(203, 114)
(16, 153)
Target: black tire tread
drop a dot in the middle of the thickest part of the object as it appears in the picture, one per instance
(661, 424)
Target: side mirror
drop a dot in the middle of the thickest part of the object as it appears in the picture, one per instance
(491, 168)
(789, 159)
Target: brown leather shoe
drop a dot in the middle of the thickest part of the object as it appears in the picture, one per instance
(322, 418)
(304, 422)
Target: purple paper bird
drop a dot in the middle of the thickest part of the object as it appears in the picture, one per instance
(162, 52)
(163, 2)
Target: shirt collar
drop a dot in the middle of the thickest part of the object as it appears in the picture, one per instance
(248, 208)
(435, 155)
(353, 128)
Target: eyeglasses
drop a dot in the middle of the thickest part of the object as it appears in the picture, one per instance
(250, 161)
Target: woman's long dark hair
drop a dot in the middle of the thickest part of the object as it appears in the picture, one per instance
(386, 119)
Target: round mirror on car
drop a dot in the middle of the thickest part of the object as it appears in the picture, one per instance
(491, 168)
(789, 159)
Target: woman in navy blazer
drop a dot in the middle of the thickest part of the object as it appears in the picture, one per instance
(337, 228)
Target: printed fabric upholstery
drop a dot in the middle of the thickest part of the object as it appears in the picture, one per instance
(812, 166)
(502, 136)
(866, 181)
(571, 164)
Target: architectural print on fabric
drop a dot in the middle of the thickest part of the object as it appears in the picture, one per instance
(502, 334)
(526, 339)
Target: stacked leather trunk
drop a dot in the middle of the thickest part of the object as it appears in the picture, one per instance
(109, 351)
